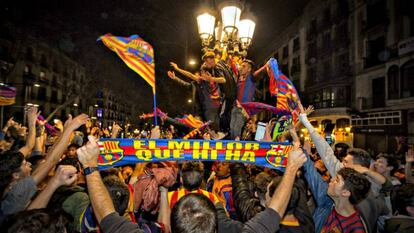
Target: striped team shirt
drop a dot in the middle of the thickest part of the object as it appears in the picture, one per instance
(338, 223)
(175, 196)
(245, 89)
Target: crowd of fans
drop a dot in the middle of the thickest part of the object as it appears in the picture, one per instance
(50, 181)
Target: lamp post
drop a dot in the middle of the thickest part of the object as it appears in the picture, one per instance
(231, 33)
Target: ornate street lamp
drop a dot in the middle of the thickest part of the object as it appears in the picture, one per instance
(230, 33)
(246, 30)
(205, 23)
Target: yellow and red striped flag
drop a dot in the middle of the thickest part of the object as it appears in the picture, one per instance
(136, 53)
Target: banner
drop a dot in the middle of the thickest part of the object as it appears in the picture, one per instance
(119, 152)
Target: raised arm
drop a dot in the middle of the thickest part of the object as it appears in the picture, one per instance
(56, 152)
(103, 207)
(65, 175)
(32, 115)
(115, 130)
(206, 76)
(323, 148)
(184, 72)
(282, 194)
(172, 76)
(165, 211)
(101, 201)
(258, 71)
(409, 159)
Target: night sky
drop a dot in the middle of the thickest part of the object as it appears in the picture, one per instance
(73, 27)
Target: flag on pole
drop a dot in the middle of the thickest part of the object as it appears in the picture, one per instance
(136, 53)
(281, 87)
(7, 95)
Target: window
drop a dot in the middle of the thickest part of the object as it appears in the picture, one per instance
(407, 80)
(43, 60)
(296, 44)
(285, 52)
(393, 82)
(295, 66)
(55, 66)
(326, 41)
(99, 113)
(29, 54)
(41, 94)
(374, 48)
(54, 98)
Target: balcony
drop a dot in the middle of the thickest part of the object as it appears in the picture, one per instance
(378, 119)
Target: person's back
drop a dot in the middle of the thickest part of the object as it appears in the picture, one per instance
(192, 177)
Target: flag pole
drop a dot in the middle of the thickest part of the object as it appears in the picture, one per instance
(155, 106)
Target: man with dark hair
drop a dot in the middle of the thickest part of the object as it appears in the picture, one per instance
(335, 202)
(387, 165)
(403, 202)
(18, 185)
(71, 153)
(220, 70)
(37, 220)
(357, 156)
(357, 159)
(374, 205)
(194, 213)
(191, 177)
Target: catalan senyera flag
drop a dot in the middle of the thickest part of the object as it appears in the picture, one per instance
(7, 95)
(136, 53)
(281, 87)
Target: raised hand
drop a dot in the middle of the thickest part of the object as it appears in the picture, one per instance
(174, 65)
(88, 154)
(309, 110)
(65, 175)
(296, 159)
(171, 74)
(307, 147)
(206, 76)
(155, 132)
(74, 123)
(32, 115)
(409, 156)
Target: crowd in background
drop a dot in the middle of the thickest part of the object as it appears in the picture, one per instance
(50, 181)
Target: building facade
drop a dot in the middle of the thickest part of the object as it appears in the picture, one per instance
(384, 76)
(107, 108)
(315, 52)
(354, 61)
(49, 79)
(45, 77)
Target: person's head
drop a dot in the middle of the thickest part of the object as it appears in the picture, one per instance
(37, 220)
(13, 167)
(357, 156)
(119, 193)
(403, 199)
(386, 165)
(127, 172)
(209, 60)
(192, 175)
(194, 213)
(261, 183)
(70, 161)
(251, 124)
(246, 67)
(223, 169)
(349, 184)
(72, 150)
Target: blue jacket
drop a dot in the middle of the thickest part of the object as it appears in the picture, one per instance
(319, 189)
